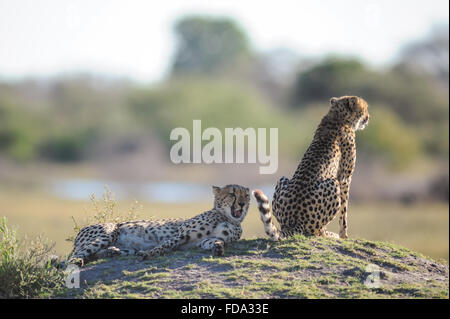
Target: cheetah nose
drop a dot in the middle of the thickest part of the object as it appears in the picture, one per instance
(242, 204)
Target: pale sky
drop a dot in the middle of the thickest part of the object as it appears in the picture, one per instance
(134, 38)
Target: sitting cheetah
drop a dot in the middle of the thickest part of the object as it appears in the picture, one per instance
(320, 187)
(209, 230)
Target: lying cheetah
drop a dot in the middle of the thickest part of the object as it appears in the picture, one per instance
(319, 189)
(146, 239)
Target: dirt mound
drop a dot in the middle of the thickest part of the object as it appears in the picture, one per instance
(296, 268)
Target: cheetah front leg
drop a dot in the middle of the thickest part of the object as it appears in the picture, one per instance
(113, 251)
(344, 178)
(343, 211)
(90, 240)
(224, 233)
(214, 244)
(345, 172)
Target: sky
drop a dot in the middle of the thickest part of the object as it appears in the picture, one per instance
(135, 39)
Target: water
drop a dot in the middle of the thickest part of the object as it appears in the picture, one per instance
(167, 192)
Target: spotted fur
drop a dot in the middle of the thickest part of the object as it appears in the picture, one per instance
(320, 187)
(210, 230)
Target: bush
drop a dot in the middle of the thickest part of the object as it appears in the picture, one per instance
(388, 137)
(415, 97)
(25, 272)
(17, 135)
(105, 211)
(68, 146)
(332, 77)
(208, 45)
(217, 102)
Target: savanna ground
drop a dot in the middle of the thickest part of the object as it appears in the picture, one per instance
(296, 268)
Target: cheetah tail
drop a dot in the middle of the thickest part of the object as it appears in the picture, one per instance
(266, 215)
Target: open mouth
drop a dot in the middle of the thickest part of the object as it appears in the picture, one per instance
(236, 213)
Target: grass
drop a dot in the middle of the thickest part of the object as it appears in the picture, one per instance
(25, 266)
(423, 227)
(105, 210)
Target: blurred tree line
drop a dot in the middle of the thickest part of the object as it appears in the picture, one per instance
(218, 78)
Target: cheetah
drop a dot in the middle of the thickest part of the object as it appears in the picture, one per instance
(210, 231)
(320, 187)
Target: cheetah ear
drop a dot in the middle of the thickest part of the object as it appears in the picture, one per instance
(216, 190)
(333, 101)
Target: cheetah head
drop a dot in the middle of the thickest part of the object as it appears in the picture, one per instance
(352, 110)
(232, 201)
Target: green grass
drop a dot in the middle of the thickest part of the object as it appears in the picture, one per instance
(25, 266)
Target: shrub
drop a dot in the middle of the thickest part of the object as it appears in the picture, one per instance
(67, 147)
(17, 133)
(388, 137)
(217, 102)
(25, 268)
(105, 211)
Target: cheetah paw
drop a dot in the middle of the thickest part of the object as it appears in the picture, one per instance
(109, 252)
(218, 248)
(77, 261)
(142, 255)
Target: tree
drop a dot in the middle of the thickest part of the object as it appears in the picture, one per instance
(207, 45)
(413, 96)
(429, 55)
(332, 77)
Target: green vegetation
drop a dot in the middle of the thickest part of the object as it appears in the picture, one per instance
(181, 101)
(218, 102)
(67, 146)
(208, 45)
(105, 210)
(217, 77)
(378, 141)
(25, 267)
(415, 97)
(17, 132)
(227, 104)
